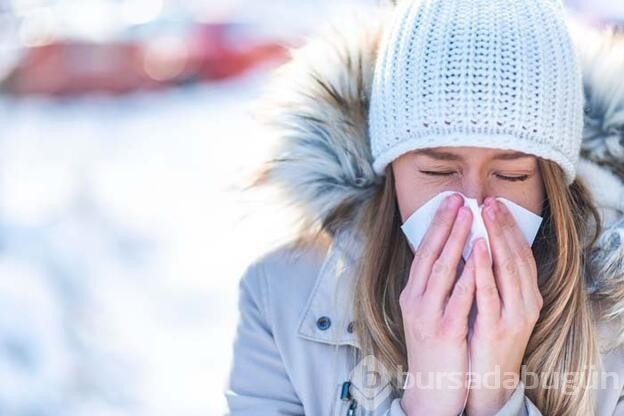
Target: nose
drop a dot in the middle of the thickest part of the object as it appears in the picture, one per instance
(473, 186)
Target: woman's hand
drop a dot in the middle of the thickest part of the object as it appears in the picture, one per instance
(508, 303)
(435, 312)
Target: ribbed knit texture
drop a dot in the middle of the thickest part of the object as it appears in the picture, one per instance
(491, 73)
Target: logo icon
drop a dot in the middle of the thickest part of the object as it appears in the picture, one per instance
(370, 383)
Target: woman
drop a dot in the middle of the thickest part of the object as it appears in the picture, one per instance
(482, 98)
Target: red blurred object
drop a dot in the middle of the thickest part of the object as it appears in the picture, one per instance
(76, 68)
(218, 57)
(68, 68)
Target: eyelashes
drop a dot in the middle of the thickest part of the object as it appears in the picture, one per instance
(514, 178)
(503, 177)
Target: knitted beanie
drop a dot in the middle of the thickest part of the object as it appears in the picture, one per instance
(490, 73)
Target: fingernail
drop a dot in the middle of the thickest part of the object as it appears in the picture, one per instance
(448, 202)
(454, 200)
(490, 212)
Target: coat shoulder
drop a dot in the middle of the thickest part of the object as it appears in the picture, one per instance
(285, 276)
(290, 263)
(296, 253)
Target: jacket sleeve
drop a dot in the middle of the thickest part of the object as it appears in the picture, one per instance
(395, 409)
(519, 405)
(258, 383)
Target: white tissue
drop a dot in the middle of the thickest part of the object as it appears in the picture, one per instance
(419, 221)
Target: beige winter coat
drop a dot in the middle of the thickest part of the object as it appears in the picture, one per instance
(294, 347)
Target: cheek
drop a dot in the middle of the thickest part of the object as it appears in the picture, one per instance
(534, 196)
(531, 197)
(411, 195)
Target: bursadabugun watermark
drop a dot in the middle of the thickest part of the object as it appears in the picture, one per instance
(370, 383)
(569, 382)
(371, 380)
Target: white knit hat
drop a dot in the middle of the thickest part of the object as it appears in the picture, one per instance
(491, 73)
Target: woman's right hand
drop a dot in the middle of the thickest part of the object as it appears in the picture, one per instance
(435, 309)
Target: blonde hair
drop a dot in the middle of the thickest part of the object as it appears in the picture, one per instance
(563, 339)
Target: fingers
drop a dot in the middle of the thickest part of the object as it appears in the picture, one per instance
(432, 244)
(460, 301)
(514, 265)
(505, 261)
(525, 260)
(444, 269)
(488, 301)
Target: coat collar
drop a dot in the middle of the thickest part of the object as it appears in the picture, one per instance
(332, 294)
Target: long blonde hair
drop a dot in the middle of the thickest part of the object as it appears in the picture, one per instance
(563, 340)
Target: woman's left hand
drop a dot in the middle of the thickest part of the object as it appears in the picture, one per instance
(508, 303)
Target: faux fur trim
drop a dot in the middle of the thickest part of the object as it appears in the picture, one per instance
(317, 107)
(602, 57)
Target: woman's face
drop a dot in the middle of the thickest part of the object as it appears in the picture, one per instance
(476, 172)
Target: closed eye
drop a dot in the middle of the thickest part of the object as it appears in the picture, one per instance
(503, 177)
(513, 178)
(428, 172)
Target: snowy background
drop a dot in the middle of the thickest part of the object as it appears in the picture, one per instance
(121, 241)
(123, 233)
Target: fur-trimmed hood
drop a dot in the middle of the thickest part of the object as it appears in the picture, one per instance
(317, 107)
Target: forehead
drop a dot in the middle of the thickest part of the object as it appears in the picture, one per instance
(465, 153)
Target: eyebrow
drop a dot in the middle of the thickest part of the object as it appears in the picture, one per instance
(437, 154)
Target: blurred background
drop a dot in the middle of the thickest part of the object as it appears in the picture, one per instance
(125, 126)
